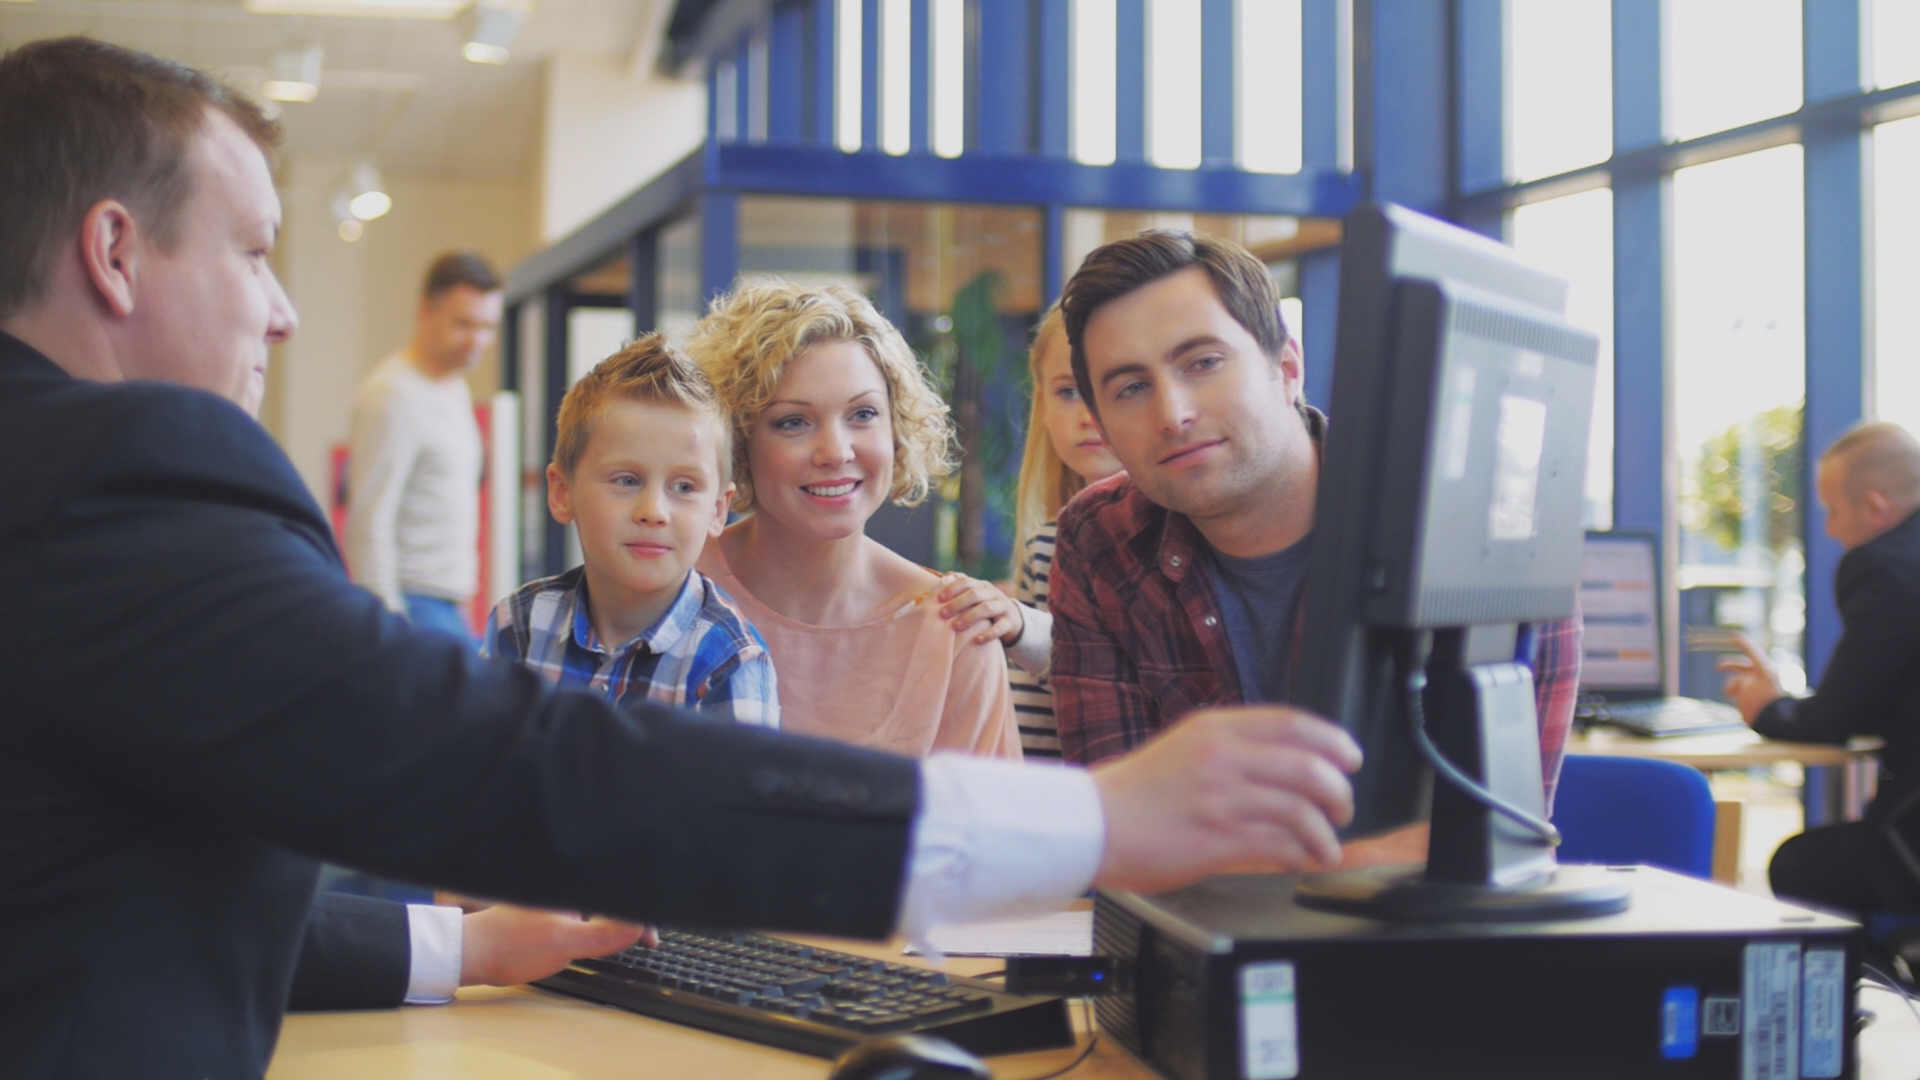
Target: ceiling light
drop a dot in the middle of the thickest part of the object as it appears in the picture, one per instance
(349, 228)
(362, 9)
(492, 26)
(365, 198)
(295, 75)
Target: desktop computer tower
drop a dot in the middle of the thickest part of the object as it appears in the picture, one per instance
(1231, 979)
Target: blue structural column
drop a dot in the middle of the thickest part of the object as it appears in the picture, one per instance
(1218, 79)
(824, 82)
(1326, 100)
(1480, 112)
(1837, 280)
(787, 73)
(1403, 108)
(719, 243)
(1054, 66)
(1004, 86)
(921, 77)
(552, 556)
(1130, 84)
(870, 89)
(1644, 474)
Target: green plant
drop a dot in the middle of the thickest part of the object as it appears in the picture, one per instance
(1758, 462)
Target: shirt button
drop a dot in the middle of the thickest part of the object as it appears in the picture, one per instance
(1174, 561)
(1211, 621)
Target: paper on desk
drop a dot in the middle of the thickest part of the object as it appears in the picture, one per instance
(1063, 933)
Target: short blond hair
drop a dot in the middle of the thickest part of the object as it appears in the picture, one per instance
(649, 371)
(1046, 484)
(746, 342)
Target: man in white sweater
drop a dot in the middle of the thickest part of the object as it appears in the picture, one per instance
(413, 495)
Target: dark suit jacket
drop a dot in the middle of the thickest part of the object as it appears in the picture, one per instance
(195, 705)
(1872, 683)
(356, 952)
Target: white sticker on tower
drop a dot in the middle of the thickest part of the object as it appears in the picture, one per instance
(1770, 1035)
(1269, 1022)
(1823, 1012)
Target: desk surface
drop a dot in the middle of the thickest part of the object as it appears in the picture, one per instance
(522, 1034)
(1719, 750)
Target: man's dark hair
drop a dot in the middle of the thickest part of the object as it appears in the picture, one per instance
(1113, 270)
(82, 121)
(457, 268)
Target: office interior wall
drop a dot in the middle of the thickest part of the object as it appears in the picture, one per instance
(356, 300)
(609, 126)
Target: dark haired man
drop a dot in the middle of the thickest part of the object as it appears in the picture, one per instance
(1176, 585)
(413, 517)
(199, 704)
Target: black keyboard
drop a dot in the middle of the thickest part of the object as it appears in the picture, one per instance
(816, 1001)
(1656, 717)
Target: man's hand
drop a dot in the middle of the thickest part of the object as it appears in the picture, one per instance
(1226, 787)
(969, 603)
(1751, 682)
(505, 945)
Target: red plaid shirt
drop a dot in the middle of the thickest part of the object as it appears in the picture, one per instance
(1138, 640)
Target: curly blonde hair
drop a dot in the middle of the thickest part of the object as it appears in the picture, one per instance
(746, 341)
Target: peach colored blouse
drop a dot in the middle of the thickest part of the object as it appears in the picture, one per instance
(903, 682)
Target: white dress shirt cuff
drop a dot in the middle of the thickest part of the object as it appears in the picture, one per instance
(1033, 653)
(436, 935)
(996, 839)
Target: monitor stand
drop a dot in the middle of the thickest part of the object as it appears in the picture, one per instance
(1481, 866)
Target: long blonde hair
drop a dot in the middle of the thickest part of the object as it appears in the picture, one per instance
(1046, 484)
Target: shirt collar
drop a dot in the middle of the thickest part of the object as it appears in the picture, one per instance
(30, 360)
(677, 623)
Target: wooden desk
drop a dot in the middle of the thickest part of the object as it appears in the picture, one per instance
(522, 1034)
(527, 1034)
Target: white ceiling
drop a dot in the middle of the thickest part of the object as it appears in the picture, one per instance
(399, 89)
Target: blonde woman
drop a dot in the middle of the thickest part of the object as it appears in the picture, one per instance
(832, 417)
(1065, 452)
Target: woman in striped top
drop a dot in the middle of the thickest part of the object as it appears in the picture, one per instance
(1064, 454)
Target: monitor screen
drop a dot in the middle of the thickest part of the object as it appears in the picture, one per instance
(1620, 605)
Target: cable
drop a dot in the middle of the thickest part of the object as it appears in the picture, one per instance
(1417, 726)
(1092, 1042)
(1891, 986)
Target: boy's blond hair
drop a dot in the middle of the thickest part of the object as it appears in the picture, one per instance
(746, 342)
(649, 371)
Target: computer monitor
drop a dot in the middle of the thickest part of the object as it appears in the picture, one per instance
(1620, 648)
(1448, 520)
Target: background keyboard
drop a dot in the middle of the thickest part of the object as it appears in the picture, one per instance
(813, 1000)
(1662, 716)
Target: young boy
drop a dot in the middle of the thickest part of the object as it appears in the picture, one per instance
(642, 466)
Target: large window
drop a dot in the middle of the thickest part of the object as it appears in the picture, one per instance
(1739, 381)
(1731, 62)
(1560, 85)
(1896, 250)
(1573, 237)
(1896, 42)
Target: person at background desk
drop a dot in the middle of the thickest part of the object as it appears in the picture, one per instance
(413, 500)
(1869, 484)
(200, 705)
(1177, 585)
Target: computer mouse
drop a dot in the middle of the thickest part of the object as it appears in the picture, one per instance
(908, 1057)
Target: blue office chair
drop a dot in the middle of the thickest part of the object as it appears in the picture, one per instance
(1623, 810)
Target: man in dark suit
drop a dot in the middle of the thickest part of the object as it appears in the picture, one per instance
(1869, 484)
(198, 705)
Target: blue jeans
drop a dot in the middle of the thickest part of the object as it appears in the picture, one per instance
(438, 613)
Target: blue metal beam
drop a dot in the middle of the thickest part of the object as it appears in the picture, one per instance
(1481, 115)
(920, 78)
(1411, 153)
(1052, 253)
(1028, 180)
(787, 73)
(719, 243)
(825, 81)
(1326, 88)
(870, 89)
(1218, 89)
(1837, 278)
(1644, 474)
(1004, 90)
(1130, 82)
(1055, 64)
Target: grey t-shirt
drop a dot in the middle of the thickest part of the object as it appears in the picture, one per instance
(1259, 603)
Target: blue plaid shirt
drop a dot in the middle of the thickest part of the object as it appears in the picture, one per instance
(702, 654)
